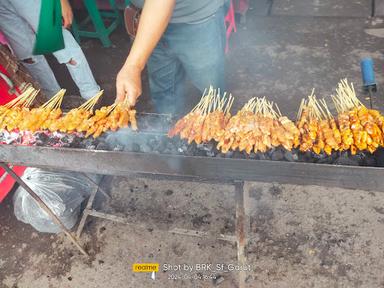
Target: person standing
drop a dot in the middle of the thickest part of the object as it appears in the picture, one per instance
(176, 39)
(19, 20)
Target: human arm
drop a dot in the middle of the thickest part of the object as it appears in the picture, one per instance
(154, 20)
(67, 13)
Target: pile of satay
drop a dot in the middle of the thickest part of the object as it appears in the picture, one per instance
(259, 125)
(18, 115)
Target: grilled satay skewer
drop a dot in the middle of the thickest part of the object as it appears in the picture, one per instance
(360, 127)
(15, 111)
(332, 136)
(113, 117)
(75, 119)
(236, 129)
(187, 120)
(307, 124)
(38, 118)
(207, 119)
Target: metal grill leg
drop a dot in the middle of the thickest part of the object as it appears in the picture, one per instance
(43, 206)
(98, 185)
(86, 211)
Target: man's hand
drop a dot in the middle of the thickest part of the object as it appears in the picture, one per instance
(128, 84)
(67, 13)
(153, 22)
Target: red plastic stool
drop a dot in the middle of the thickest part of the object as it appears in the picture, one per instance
(7, 93)
(7, 182)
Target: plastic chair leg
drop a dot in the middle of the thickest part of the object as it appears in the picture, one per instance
(98, 22)
(75, 30)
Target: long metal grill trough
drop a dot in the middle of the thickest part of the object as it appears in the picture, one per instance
(150, 151)
(125, 163)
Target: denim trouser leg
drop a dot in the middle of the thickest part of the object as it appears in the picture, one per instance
(22, 40)
(166, 79)
(80, 71)
(202, 55)
(195, 50)
(27, 17)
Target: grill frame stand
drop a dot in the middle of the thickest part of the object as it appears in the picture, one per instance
(230, 171)
(241, 226)
(43, 206)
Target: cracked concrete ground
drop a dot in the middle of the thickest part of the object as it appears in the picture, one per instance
(299, 236)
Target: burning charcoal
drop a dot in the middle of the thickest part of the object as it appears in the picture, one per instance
(156, 145)
(135, 147)
(127, 145)
(209, 147)
(229, 154)
(153, 143)
(291, 156)
(118, 148)
(328, 159)
(211, 153)
(379, 156)
(145, 148)
(277, 155)
(65, 140)
(369, 159)
(262, 156)
(39, 143)
(88, 144)
(91, 147)
(171, 147)
(183, 148)
(359, 157)
(319, 157)
(200, 153)
(42, 136)
(68, 138)
(62, 144)
(28, 138)
(194, 150)
(237, 155)
(306, 157)
(14, 137)
(252, 155)
(220, 155)
(76, 143)
(190, 151)
(200, 146)
(52, 141)
(102, 146)
(346, 159)
(216, 150)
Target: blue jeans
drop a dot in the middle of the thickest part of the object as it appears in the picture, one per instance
(18, 21)
(193, 50)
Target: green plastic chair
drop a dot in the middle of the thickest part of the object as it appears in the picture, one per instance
(97, 18)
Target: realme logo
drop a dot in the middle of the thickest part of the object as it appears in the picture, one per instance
(145, 267)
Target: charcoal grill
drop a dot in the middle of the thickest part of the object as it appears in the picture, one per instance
(199, 168)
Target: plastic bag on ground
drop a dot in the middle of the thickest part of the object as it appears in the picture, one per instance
(62, 191)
